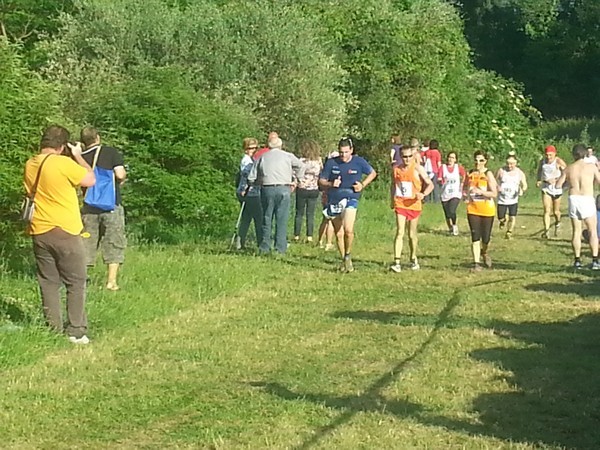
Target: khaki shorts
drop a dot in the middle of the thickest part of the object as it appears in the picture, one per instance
(107, 232)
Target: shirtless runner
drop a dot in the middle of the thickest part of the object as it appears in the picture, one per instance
(581, 176)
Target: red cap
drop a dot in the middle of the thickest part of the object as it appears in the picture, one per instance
(550, 149)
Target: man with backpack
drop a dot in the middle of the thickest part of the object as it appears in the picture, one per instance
(102, 213)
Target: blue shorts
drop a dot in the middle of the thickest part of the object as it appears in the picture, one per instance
(335, 209)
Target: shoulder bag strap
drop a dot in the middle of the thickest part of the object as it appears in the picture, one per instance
(96, 157)
(37, 179)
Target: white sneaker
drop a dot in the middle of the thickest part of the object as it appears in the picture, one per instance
(396, 268)
(455, 230)
(414, 265)
(83, 340)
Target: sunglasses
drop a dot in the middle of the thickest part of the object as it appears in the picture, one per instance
(251, 148)
(479, 160)
(406, 156)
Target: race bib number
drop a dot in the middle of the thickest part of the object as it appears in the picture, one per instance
(451, 186)
(404, 189)
(508, 192)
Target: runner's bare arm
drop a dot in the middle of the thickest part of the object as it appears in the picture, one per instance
(596, 175)
(392, 190)
(428, 183)
(538, 182)
(561, 180)
(360, 185)
(492, 191)
(523, 181)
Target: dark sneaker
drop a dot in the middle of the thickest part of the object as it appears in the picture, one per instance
(508, 235)
(577, 265)
(501, 224)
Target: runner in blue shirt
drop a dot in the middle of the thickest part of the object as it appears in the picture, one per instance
(343, 179)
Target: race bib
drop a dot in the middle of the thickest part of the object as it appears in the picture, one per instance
(508, 191)
(451, 186)
(404, 189)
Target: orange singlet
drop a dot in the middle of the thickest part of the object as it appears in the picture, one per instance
(478, 204)
(408, 184)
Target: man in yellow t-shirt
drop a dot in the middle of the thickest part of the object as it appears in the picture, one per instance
(55, 229)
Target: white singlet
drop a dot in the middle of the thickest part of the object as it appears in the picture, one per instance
(451, 187)
(550, 171)
(508, 187)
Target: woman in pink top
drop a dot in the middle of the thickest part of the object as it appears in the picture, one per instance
(451, 177)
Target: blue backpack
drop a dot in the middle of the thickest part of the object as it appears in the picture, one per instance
(101, 195)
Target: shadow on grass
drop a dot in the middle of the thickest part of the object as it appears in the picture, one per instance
(557, 394)
(583, 288)
(371, 398)
(554, 400)
(407, 320)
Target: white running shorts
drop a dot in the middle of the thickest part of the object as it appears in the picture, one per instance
(581, 206)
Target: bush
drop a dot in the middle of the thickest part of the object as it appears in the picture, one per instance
(183, 151)
(28, 105)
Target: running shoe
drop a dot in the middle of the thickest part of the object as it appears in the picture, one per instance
(415, 265)
(577, 265)
(348, 265)
(556, 228)
(546, 234)
(501, 224)
(508, 235)
(455, 230)
(595, 265)
(487, 261)
(396, 268)
(83, 340)
(476, 267)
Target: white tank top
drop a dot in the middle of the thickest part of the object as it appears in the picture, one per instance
(508, 187)
(550, 171)
(451, 187)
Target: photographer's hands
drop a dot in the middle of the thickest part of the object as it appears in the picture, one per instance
(75, 149)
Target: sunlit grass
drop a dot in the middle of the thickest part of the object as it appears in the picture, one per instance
(207, 349)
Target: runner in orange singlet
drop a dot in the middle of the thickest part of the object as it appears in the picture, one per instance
(480, 189)
(408, 177)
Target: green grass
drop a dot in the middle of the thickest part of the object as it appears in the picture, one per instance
(206, 349)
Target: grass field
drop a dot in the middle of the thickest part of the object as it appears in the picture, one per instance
(207, 349)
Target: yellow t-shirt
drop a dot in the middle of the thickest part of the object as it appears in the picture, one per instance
(56, 203)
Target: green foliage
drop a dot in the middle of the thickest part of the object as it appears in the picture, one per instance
(264, 56)
(502, 119)
(551, 46)
(28, 105)
(182, 150)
